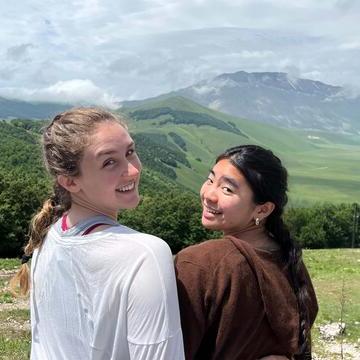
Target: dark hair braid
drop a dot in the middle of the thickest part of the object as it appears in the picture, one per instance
(292, 257)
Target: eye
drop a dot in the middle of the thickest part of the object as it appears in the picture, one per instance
(109, 162)
(209, 180)
(227, 190)
(130, 152)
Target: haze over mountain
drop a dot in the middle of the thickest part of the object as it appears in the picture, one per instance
(279, 99)
(29, 110)
(271, 97)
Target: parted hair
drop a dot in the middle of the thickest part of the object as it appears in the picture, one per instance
(268, 180)
(63, 144)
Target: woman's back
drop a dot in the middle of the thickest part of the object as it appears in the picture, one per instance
(236, 302)
(107, 295)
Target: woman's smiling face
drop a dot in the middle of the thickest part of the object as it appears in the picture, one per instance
(227, 200)
(110, 169)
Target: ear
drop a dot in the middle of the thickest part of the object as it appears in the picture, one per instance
(264, 210)
(68, 183)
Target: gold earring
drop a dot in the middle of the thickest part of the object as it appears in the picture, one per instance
(257, 221)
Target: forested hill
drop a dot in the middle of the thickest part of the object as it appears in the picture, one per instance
(34, 110)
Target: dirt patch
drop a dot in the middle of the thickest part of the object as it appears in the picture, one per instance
(335, 350)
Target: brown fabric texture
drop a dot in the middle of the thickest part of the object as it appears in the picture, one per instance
(236, 302)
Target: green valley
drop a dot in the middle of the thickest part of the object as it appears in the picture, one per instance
(323, 167)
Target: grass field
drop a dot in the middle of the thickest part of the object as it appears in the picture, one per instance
(336, 277)
(335, 274)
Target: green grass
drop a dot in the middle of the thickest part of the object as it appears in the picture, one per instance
(14, 343)
(336, 278)
(5, 295)
(9, 264)
(15, 346)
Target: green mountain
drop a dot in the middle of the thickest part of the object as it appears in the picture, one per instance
(322, 166)
(30, 110)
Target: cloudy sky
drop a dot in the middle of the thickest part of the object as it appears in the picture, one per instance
(104, 51)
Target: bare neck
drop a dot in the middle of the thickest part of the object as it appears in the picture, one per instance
(81, 210)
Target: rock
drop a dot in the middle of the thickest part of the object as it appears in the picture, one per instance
(332, 330)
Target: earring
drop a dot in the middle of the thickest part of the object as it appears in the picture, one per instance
(257, 221)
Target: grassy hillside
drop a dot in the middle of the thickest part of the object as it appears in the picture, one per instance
(322, 166)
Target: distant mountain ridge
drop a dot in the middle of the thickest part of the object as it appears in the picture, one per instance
(275, 98)
(29, 110)
(279, 99)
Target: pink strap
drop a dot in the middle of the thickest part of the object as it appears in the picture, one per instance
(64, 226)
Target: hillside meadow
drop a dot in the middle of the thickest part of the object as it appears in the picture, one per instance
(323, 166)
(336, 277)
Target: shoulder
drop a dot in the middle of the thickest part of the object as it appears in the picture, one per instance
(147, 242)
(123, 237)
(210, 254)
(118, 249)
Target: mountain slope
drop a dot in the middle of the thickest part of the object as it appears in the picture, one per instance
(322, 165)
(30, 110)
(275, 98)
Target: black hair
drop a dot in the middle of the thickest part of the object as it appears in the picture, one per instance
(268, 180)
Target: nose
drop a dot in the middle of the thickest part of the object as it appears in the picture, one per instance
(209, 194)
(133, 169)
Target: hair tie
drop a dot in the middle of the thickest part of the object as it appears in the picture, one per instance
(25, 259)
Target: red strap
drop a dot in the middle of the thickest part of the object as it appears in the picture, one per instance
(64, 226)
(91, 228)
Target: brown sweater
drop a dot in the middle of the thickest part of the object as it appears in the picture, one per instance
(236, 302)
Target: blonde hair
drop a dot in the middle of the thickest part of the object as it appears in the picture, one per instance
(63, 143)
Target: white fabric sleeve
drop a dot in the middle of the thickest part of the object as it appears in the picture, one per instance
(154, 329)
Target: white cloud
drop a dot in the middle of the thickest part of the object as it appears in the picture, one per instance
(216, 105)
(76, 91)
(350, 45)
(140, 48)
(205, 90)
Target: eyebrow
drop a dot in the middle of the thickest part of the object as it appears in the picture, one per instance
(111, 151)
(227, 179)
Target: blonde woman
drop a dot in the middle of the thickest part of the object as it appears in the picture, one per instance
(99, 290)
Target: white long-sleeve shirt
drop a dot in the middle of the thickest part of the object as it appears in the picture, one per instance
(107, 295)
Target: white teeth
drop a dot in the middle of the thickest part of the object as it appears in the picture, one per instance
(126, 187)
(212, 211)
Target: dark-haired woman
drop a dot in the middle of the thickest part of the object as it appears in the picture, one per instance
(248, 294)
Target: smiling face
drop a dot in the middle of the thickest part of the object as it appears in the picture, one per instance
(227, 200)
(109, 170)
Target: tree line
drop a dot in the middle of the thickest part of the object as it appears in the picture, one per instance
(173, 215)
